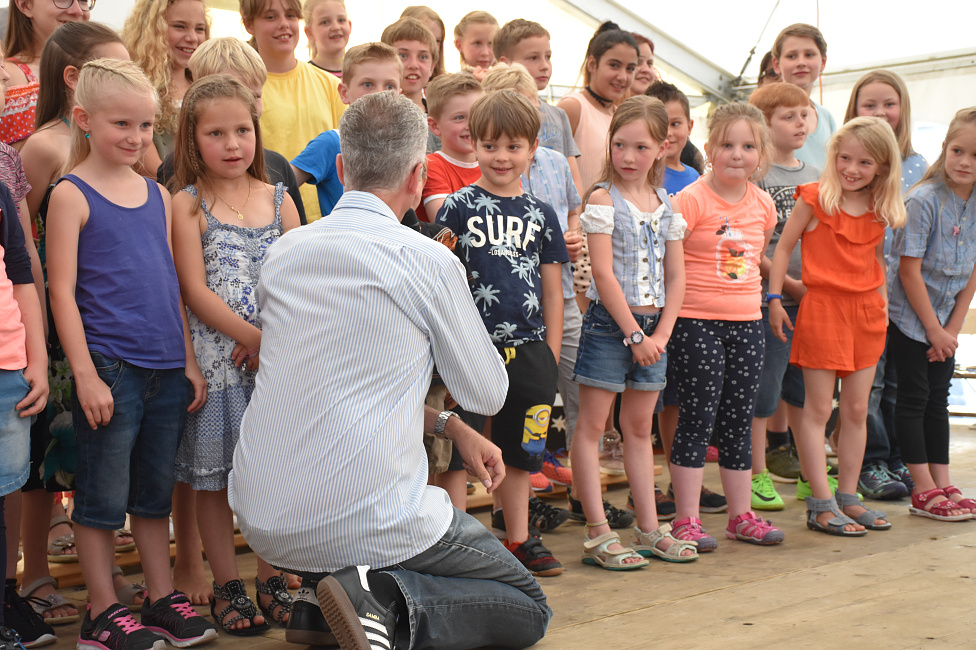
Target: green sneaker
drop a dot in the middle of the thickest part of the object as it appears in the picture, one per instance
(803, 488)
(764, 495)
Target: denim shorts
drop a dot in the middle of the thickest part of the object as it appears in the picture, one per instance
(779, 379)
(14, 432)
(605, 362)
(128, 465)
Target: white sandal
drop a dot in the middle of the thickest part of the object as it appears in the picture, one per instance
(597, 552)
(647, 545)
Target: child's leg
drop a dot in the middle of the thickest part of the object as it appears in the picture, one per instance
(14, 502)
(594, 404)
(513, 496)
(152, 540)
(569, 389)
(667, 421)
(188, 572)
(96, 554)
(636, 421)
(855, 393)
(455, 483)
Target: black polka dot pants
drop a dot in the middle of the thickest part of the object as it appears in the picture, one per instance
(717, 365)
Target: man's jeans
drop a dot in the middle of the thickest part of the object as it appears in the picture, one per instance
(881, 444)
(469, 591)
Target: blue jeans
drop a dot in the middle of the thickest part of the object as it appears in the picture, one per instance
(129, 464)
(881, 444)
(779, 380)
(14, 432)
(469, 591)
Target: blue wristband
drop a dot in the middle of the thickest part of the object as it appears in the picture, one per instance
(774, 296)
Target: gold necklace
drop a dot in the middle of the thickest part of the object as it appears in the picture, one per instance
(240, 215)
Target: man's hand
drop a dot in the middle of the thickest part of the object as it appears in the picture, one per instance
(481, 457)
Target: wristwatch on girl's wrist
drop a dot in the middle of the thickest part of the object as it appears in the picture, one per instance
(635, 338)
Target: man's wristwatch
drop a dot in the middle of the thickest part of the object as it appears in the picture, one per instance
(442, 423)
(635, 338)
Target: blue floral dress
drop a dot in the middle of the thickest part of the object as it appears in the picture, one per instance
(233, 257)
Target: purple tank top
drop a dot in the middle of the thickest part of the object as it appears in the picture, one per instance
(127, 290)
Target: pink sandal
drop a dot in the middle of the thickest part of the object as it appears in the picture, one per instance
(922, 506)
(965, 504)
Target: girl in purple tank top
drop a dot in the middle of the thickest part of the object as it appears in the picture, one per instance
(116, 304)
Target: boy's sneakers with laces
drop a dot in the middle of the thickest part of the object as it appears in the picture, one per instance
(174, 618)
(764, 494)
(556, 471)
(783, 464)
(612, 454)
(116, 629)
(28, 624)
(545, 517)
(663, 504)
(709, 502)
(540, 483)
(616, 518)
(9, 640)
(747, 527)
(898, 470)
(876, 482)
(359, 617)
(535, 557)
(690, 530)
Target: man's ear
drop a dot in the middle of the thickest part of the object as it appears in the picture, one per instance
(339, 169)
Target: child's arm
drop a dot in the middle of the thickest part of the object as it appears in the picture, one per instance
(572, 108)
(574, 170)
(36, 270)
(192, 369)
(943, 343)
(795, 225)
(192, 273)
(674, 292)
(42, 162)
(66, 216)
(289, 214)
(958, 315)
(301, 175)
(791, 285)
(573, 235)
(552, 305)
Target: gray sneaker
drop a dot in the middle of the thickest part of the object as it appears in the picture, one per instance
(876, 482)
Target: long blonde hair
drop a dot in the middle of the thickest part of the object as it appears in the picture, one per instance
(962, 120)
(144, 35)
(640, 108)
(96, 79)
(904, 131)
(878, 139)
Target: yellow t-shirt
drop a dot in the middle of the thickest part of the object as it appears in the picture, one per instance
(298, 106)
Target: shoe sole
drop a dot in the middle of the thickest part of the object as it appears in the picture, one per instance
(206, 637)
(715, 510)
(768, 506)
(919, 512)
(548, 573)
(783, 479)
(88, 645)
(44, 639)
(341, 615)
(310, 637)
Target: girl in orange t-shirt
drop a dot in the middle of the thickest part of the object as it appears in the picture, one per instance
(841, 324)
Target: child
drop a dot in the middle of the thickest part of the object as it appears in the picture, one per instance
(23, 394)
(883, 473)
(162, 35)
(429, 17)
(786, 109)
(368, 68)
(449, 100)
(218, 253)
(526, 42)
(799, 57)
(932, 286)
(676, 175)
(108, 236)
(717, 345)
(327, 28)
(26, 35)
(300, 101)
(47, 534)
(513, 245)
(840, 326)
(415, 45)
(472, 38)
(632, 232)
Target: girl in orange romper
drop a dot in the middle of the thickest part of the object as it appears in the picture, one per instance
(841, 324)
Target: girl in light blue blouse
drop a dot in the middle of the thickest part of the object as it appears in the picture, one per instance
(931, 286)
(637, 259)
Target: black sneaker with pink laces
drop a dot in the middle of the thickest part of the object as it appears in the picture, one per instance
(174, 618)
(115, 629)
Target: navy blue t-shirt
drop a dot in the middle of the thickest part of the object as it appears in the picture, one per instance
(504, 240)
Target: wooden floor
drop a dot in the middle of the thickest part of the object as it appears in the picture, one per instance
(913, 586)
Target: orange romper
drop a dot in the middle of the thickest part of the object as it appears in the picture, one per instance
(841, 323)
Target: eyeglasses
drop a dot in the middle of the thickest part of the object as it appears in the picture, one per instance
(86, 5)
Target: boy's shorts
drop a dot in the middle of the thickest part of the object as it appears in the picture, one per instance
(520, 428)
(779, 379)
(14, 432)
(128, 465)
(605, 362)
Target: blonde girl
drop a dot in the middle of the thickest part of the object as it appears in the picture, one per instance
(633, 234)
(432, 19)
(840, 328)
(473, 37)
(932, 286)
(116, 303)
(327, 27)
(224, 219)
(29, 25)
(717, 347)
(161, 36)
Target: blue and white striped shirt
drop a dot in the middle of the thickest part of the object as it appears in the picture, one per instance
(330, 470)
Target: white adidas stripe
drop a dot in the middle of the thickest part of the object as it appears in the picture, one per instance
(376, 640)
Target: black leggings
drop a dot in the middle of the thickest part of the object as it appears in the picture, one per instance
(717, 365)
(922, 405)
